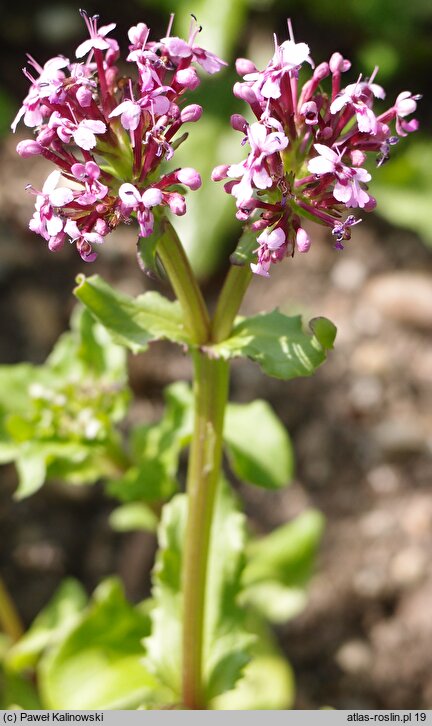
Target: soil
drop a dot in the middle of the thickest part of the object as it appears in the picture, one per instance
(361, 428)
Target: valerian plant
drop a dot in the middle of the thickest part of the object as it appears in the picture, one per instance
(202, 640)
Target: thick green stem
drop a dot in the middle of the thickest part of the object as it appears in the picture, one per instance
(10, 621)
(210, 396)
(236, 283)
(182, 278)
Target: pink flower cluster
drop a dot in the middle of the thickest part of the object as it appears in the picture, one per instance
(109, 134)
(307, 149)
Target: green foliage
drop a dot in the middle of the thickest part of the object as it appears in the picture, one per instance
(49, 627)
(133, 516)
(58, 420)
(163, 646)
(155, 451)
(132, 322)
(279, 566)
(278, 344)
(267, 682)
(226, 642)
(258, 445)
(86, 656)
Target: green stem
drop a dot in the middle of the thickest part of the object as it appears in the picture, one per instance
(236, 283)
(182, 278)
(210, 396)
(10, 621)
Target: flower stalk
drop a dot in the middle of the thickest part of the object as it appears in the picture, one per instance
(210, 397)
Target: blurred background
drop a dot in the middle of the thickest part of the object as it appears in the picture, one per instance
(361, 428)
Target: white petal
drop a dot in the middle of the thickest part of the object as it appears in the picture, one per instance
(129, 195)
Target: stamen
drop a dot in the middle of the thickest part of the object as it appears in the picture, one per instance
(170, 24)
(290, 30)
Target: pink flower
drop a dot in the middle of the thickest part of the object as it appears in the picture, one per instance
(141, 203)
(88, 174)
(288, 56)
(45, 221)
(347, 189)
(359, 97)
(97, 36)
(253, 170)
(83, 133)
(46, 85)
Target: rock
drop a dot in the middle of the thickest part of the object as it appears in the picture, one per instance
(399, 436)
(408, 567)
(383, 479)
(371, 358)
(348, 274)
(377, 523)
(354, 657)
(403, 296)
(366, 394)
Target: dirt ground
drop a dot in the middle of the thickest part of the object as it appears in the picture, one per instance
(362, 433)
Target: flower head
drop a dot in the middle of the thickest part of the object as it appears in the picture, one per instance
(306, 149)
(109, 135)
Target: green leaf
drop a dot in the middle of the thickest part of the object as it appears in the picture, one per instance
(164, 645)
(275, 602)
(279, 566)
(325, 332)
(57, 419)
(287, 554)
(267, 683)
(31, 468)
(226, 642)
(133, 516)
(18, 692)
(155, 451)
(99, 663)
(258, 445)
(50, 626)
(278, 344)
(133, 322)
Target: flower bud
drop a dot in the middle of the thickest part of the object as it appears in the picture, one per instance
(357, 157)
(152, 197)
(370, 204)
(244, 66)
(57, 242)
(28, 148)
(239, 123)
(321, 71)
(244, 92)
(101, 227)
(188, 78)
(339, 64)
(189, 177)
(191, 113)
(220, 172)
(46, 136)
(176, 203)
(84, 96)
(302, 240)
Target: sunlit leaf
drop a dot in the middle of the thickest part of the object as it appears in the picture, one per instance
(258, 445)
(277, 343)
(50, 625)
(99, 663)
(133, 322)
(226, 642)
